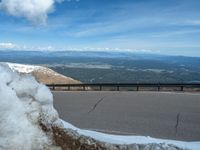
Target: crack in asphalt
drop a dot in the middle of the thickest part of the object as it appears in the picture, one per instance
(177, 123)
(96, 104)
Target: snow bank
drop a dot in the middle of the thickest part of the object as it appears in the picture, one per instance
(120, 140)
(24, 104)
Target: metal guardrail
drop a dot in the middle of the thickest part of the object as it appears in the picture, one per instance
(117, 86)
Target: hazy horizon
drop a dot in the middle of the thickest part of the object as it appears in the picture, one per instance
(140, 52)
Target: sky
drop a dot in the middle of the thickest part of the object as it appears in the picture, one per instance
(169, 27)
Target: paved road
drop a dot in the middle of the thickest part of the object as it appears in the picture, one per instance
(162, 115)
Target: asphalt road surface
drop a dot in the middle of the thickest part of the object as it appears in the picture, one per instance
(161, 115)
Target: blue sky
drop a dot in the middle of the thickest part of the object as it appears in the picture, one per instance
(157, 26)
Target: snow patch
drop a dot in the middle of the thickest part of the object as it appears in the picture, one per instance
(24, 103)
(29, 69)
(23, 68)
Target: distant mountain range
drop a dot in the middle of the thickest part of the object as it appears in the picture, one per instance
(101, 67)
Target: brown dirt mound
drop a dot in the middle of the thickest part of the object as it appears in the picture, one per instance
(52, 77)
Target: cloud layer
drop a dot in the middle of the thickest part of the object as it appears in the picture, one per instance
(35, 11)
(7, 46)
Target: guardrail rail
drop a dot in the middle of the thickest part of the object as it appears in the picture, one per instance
(126, 86)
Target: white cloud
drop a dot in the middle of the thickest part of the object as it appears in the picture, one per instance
(35, 11)
(100, 47)
(7, 46)
(12, 46)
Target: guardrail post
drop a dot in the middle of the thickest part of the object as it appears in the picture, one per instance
(68, 87)
(83, 87)
(158, 87)
(53, 86)
(100, 87)
(182, 88)
(137, 88)
(117, 88)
